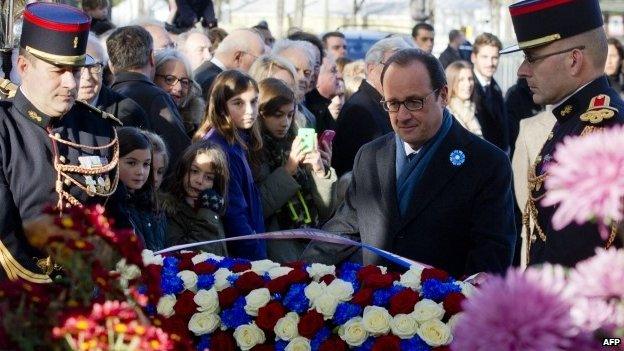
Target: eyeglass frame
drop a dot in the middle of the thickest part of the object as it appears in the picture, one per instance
(421, 100)
(532, 60)
(91, 66)
(177, 79)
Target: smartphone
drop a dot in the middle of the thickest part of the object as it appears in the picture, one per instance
(308, 139)
(327, 136)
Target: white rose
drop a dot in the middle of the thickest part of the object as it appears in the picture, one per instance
(353, 332)
(452, 322)
(319, 270)
(256, 299)
(314, 290)
(286, 327)
(199, 258)
(427, 310)
(149, 258)
(203, 323)
(248, 335)
(127, 271)
(466, 288)
(189, 278)
(165, 305)
(341, 289)
(207, 300)
(279, 271)
(376, 320)
(411, 278)
(326, 305)
(221, 276)
(435, 333)
(263, 266)
(299, 344)
(404, 326)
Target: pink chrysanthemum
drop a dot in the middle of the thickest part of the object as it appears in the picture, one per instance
(519, 312)
(600, 276)
(587, 179)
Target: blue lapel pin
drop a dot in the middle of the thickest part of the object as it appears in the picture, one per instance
(457, 158)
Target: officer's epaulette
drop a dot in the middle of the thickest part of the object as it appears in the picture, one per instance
(99, 112)
(599, 110)
(7, 89)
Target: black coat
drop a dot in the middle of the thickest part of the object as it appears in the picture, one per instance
(448, 56)
(361, 120)
(460, 218)
(124, 108)
(205, 74)
(492, 115)
(318, 105)
(163, 115)
(519, 104)
(573, 243)
(28, 176)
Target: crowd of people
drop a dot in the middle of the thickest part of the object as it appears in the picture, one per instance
(229, 134)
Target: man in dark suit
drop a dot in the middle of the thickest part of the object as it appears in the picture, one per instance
(432, 191)
(237, 51)
(131, 57)
(362, 118)
(488, 97)
(451, 53)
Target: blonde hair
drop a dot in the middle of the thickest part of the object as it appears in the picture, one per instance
(452, 75)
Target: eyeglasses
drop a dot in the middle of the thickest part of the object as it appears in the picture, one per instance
(92, 69)
(173, 80)
(411, 104)
(250, 54)
(533, 59)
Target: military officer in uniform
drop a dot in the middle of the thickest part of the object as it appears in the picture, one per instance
(565, 55)
(53, 149)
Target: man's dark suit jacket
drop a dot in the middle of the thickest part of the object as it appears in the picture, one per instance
(448, 56)
(124, 108)
(519, 105)
(205, 74)
(460, 219)
(162, 113)
(318, 105)
(361, 120)
(492, 115)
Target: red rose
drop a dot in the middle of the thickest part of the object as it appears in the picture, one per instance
(241, 267)
(327, 279)
(366, 271)
(278, 285)
(363, 297)
(152, 277)
(378, 281)
(263, 347)
(334, 343)
(295, 265)
(298, 276)
(249, 281)
(186, 262)
(227, 297)
(176, 327)
(432, 273)
(222, 341)
(185, 306)
(403, 302)
(387, 343)
(310, 323)
(269, 315)
(205, 268)
(453, 303)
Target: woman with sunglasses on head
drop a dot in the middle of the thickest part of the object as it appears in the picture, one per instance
(174, 75)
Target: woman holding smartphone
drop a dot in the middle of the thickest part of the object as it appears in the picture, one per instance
(297, 187)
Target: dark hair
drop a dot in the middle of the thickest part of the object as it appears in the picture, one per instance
(274, 94)
(486, 39)
(158, 146)
(454, 34)
(216, 36)
(618, 47)
(94, 4)
(183, 166)
(405, 57)
(131, 139)
(331, 34)
(129, 48)
(310, 38)
(341, 62)
(419, 26)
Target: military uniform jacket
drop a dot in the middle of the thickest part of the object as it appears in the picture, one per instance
(30, 141)
(574, 117)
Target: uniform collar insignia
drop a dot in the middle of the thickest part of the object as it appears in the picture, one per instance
(598, 109)
(28, 110)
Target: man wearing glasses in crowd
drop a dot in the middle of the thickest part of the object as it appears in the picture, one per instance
(431, 191)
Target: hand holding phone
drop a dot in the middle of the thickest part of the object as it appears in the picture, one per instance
(308, 139)
(327, 137)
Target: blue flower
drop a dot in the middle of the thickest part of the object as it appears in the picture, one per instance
(436, 290)
(171, 284)
(382, 297)
(170, 263)
(280, 345)
(142, 289)
(350, 267)
(277, 297)
(295, 299)
(204, 343)
(232, 278)
(414, 344)
(205, 281)
(457, 158)
(150, 309)
(346, 311)
(319, 338)
(351, 277)
(235, 316)
(367, 345)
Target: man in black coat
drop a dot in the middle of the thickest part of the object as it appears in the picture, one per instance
(432, 191)
(519, 105)
(451, 53)
(362, 117)
(488, 96)
(131, 57)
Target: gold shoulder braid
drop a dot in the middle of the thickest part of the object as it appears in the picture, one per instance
(7, 88)
(529, 217)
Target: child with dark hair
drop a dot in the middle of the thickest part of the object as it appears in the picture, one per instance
(160, 158)
(196, 199)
